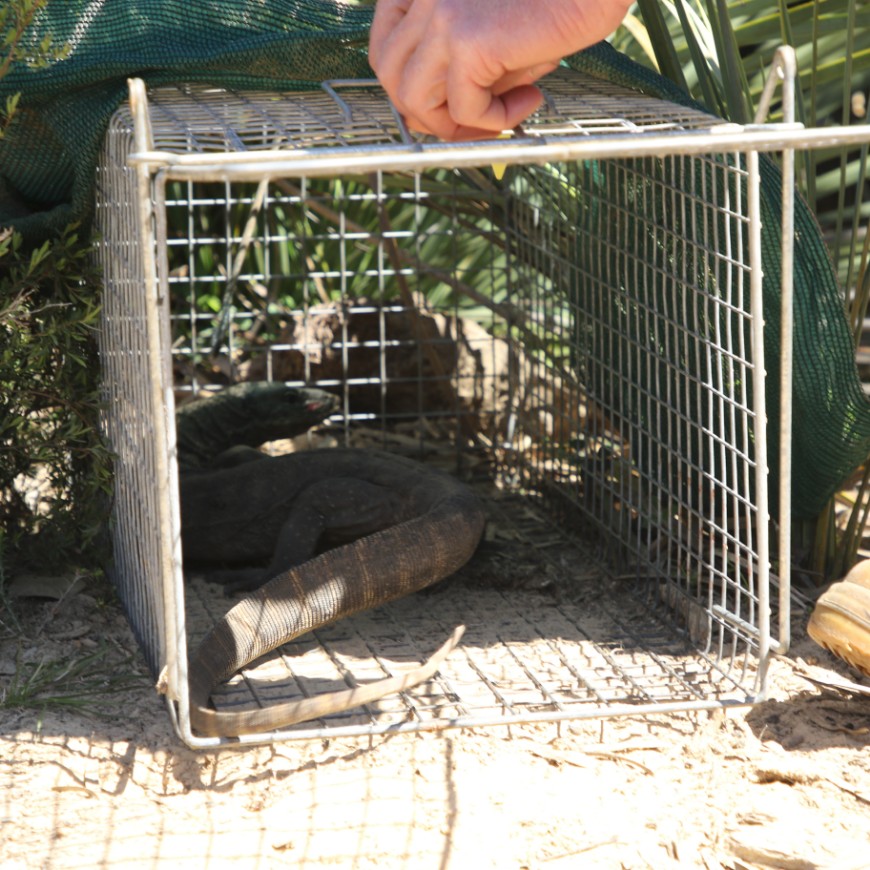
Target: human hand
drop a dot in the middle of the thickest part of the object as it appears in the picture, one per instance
(465, 69)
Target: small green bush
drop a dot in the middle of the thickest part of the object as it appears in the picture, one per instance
(54, 469)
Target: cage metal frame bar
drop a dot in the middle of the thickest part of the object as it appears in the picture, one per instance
(154, 169)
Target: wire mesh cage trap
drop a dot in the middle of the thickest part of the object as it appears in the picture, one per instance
(580, 339)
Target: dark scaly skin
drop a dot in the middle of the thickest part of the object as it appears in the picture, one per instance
(417, 525)
(407, 525)
(246, 414)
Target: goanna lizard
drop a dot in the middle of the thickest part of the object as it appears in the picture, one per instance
(335, 531)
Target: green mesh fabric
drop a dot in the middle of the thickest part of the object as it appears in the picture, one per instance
(48, 157)
(831, 435)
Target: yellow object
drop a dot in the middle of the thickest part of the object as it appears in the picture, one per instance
(498, 169)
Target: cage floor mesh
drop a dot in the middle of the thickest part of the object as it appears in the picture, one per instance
(549, 636)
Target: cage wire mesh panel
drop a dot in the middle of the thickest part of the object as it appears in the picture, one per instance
(575, 340)
(658, 330)
(131, 416)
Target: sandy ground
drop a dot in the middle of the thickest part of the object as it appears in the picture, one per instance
(784, 784)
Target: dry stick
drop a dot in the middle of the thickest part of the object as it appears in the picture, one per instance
(319, 286)
(576, 758)
(611, 841)
(860, 796)
(269, 295)
(237, 264)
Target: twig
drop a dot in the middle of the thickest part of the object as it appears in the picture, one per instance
(843, 787)
(578, 757)
(612, 841)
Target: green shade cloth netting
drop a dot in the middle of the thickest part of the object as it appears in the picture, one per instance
(48, 156)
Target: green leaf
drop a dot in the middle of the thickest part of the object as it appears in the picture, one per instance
(662, 43)
(710, 90)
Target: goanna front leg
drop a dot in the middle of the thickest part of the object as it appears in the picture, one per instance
(332, 511)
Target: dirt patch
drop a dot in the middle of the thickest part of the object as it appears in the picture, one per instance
(783, 784)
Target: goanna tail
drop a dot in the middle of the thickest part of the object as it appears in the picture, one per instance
(366, 573)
